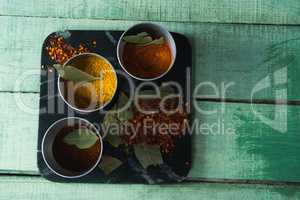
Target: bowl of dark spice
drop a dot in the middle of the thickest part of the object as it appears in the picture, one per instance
(72, 147)
(146, 51)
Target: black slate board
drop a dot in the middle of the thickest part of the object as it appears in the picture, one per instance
(52, 108)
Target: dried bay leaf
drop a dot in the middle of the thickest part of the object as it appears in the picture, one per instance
(148, 154)
(143, 39)
(122, 100)
(82, 138)
(112, 118)
(114, 139)
(137, 39)
(143, 34)
(125, 114)
(112, 136)
(73, 74)
(166, 90)
(160, 40)
(108, 164)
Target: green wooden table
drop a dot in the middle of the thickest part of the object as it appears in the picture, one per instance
(246, 58)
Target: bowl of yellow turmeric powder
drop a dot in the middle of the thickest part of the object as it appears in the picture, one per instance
(146, 51)
(92, 94)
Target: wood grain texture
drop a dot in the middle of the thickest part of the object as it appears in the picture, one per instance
(225, 11)
(246, 149)
(237, 56)
(37, 188)
(244, 141)
(18, 132)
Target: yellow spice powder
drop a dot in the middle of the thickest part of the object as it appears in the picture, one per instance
(96, 92)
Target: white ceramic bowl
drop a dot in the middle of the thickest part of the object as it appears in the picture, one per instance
(147, 27)
(47, 147)
(72, 104)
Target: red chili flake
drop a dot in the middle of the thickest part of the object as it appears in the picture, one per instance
(165, 138)
(60, 51)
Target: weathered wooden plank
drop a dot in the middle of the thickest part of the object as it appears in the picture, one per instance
(247, 62)
(244, 141)
(226, 11)
(18, 132)
(254, 151)
(37, 188)
(224, 55)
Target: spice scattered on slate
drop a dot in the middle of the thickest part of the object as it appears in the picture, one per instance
(60, 51)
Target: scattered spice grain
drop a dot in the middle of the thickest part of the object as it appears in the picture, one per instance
(60, 51)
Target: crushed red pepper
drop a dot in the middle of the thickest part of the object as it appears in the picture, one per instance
(165, 138)
(60, 51)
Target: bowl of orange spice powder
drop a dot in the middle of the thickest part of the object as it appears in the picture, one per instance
(89, 96)
(146, 51)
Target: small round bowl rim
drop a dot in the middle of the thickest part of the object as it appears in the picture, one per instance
(86, 172)
(139, 78)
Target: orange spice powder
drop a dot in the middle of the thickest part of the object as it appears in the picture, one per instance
(147, 61)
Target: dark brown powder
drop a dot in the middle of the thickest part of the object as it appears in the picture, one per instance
(147, 61)
(72, 158)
